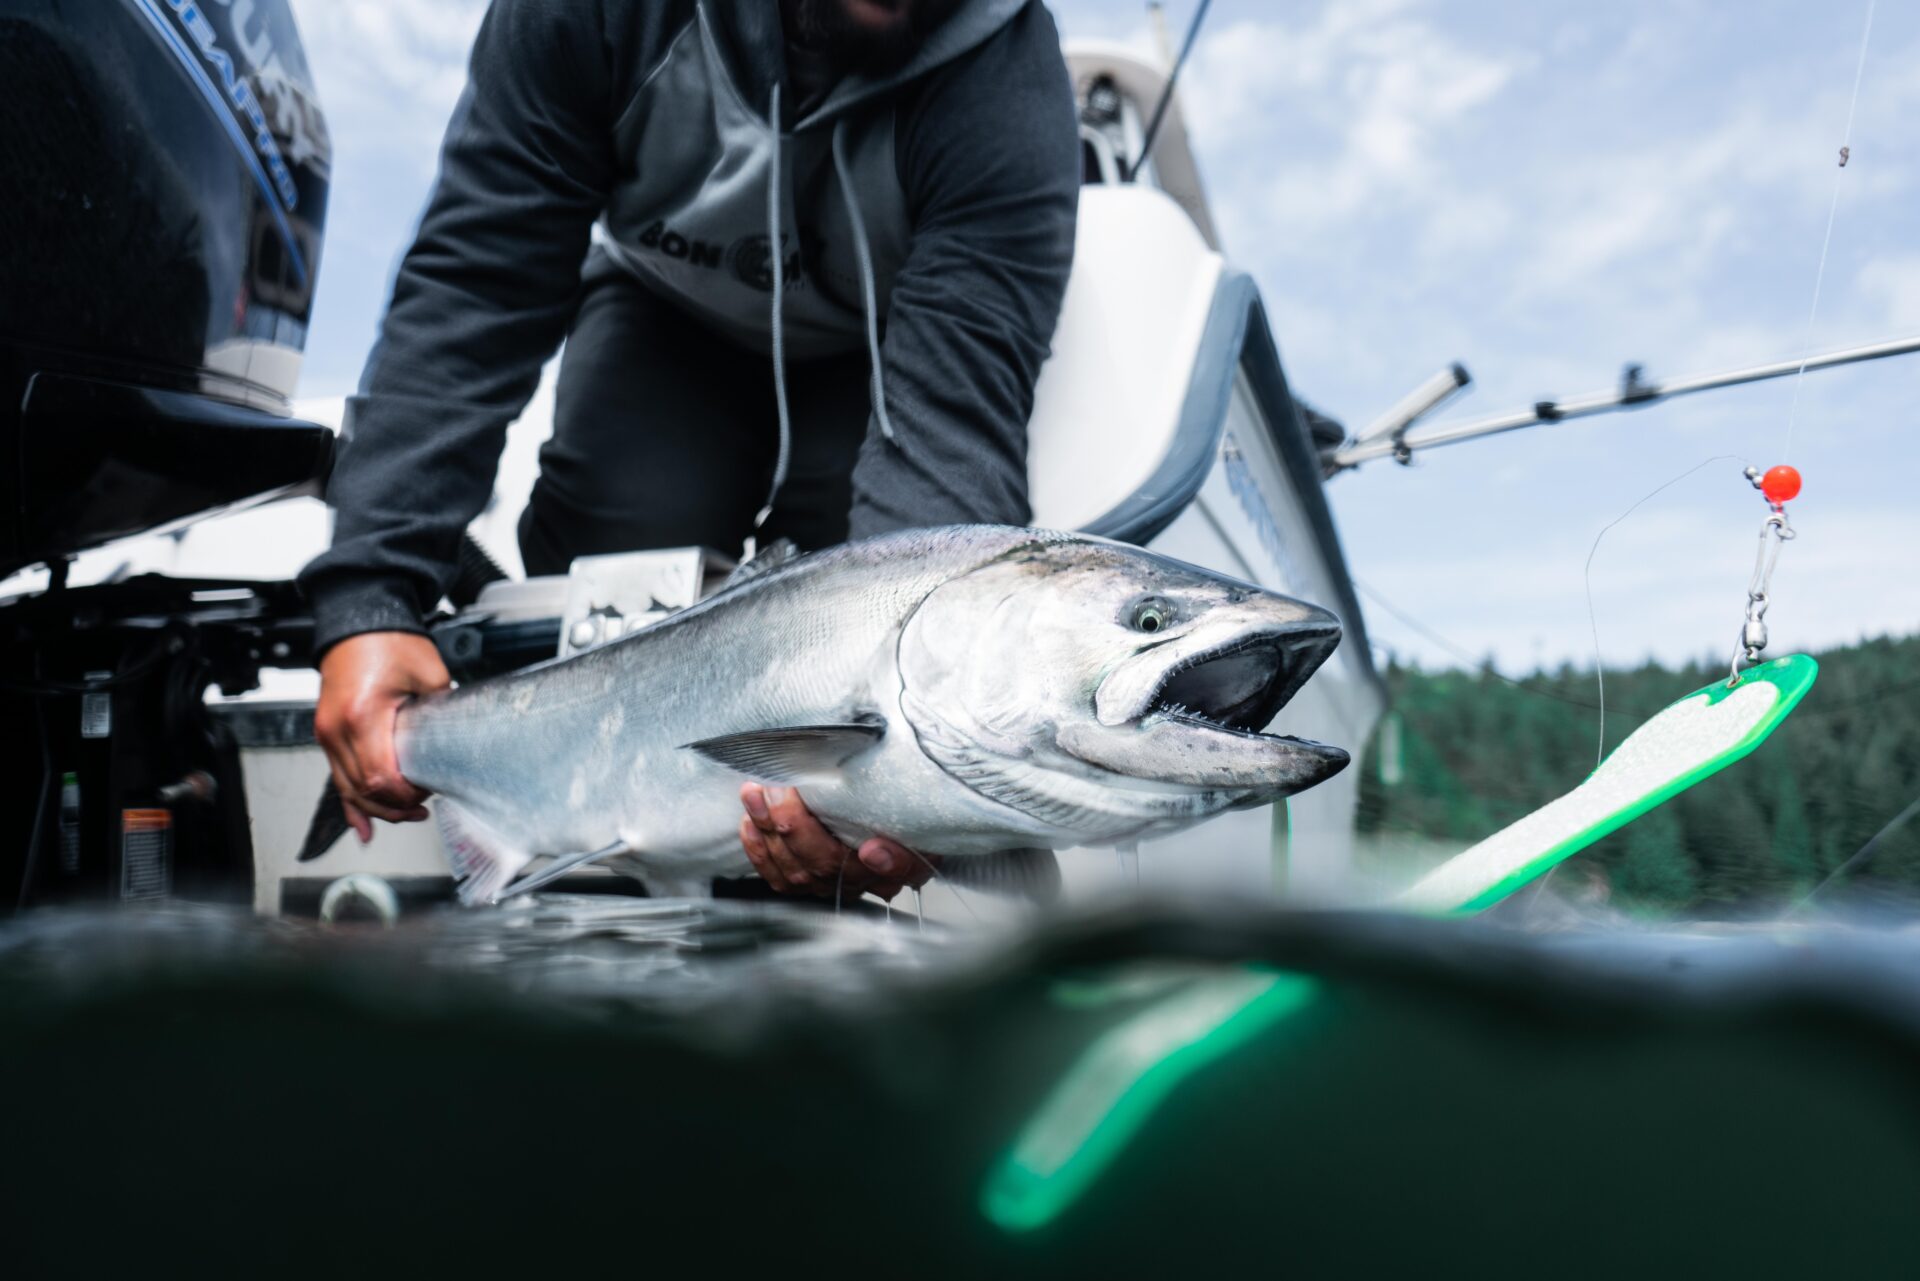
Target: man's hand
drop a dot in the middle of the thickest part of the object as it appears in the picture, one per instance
(797, 855)
(364, 680)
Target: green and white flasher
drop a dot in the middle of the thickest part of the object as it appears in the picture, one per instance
(1120, 1080)
(1698, 736)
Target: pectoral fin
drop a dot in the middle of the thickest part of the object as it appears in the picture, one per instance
(793, 753)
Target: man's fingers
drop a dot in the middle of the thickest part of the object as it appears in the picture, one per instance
(756, 847)
(356, 817)
(357, 799)
(362, 825)
(884, 858)
(791, 875)
(807, 858)
(792, 870)
(819, 851)
(338, 745)
(343, 788)
(754, 797)
(391, 813)
(367, 770)
(364, 681)
(342, 743)
(380, 777)
(892, 861)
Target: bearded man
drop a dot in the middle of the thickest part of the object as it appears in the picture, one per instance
(806, 255)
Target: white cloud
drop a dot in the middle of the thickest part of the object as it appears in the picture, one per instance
(1634, 183)
(1893, 282)
(388, 71)
(1361, 92)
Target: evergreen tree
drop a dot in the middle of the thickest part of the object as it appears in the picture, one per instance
(1792, 836)
(1653, 869)
(1480, 751)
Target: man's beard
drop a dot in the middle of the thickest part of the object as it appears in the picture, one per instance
(827, 28)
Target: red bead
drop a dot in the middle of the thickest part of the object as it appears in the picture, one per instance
(1780, 484)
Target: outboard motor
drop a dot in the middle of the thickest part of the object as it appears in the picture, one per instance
(164, 167)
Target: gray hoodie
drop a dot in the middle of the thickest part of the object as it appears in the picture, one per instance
(926, 216)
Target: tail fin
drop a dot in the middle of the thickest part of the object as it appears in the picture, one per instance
(329, 824)
(483, 862)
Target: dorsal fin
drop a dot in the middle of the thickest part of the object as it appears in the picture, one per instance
(772, 556)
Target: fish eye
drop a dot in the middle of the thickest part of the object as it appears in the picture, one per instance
(1151, 615)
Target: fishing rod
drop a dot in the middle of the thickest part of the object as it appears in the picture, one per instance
(1391, 436)
(1166, 93)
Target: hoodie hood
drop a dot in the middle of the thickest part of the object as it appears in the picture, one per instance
(753, 44)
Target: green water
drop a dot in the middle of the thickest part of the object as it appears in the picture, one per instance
(591, 1086)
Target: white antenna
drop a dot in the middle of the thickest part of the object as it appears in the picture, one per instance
(1162, 38)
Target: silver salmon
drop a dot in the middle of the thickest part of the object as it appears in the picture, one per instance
(976, 692)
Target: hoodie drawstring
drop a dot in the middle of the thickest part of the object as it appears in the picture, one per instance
(865, 256)
(868, 306)
(777, 253)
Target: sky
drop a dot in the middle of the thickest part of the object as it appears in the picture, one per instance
(1544, 192)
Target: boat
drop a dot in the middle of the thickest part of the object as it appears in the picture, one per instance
(1163, 418)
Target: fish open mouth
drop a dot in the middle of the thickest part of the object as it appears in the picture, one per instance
(1240, 686)
(1191, 712)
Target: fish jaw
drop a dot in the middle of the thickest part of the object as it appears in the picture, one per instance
(1192, 752)
(1193, 712)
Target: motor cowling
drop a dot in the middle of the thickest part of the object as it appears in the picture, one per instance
(166, 166)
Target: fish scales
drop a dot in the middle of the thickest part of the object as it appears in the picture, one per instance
(966, 691)
(792, 646)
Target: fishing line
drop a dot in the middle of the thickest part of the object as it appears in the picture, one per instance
(1593, 619)
(1460, 653)
(1866, 851)
(1826, 241)
(1806, 349)
(1159, 116)
(1826, 706)
(946, 881)
(840, 881)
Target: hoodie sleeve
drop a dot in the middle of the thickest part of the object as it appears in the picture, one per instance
(989, 158)
(482, 299)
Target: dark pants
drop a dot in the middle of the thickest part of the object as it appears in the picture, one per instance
(665, 435)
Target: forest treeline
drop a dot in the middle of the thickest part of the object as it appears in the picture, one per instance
(1478, 751)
